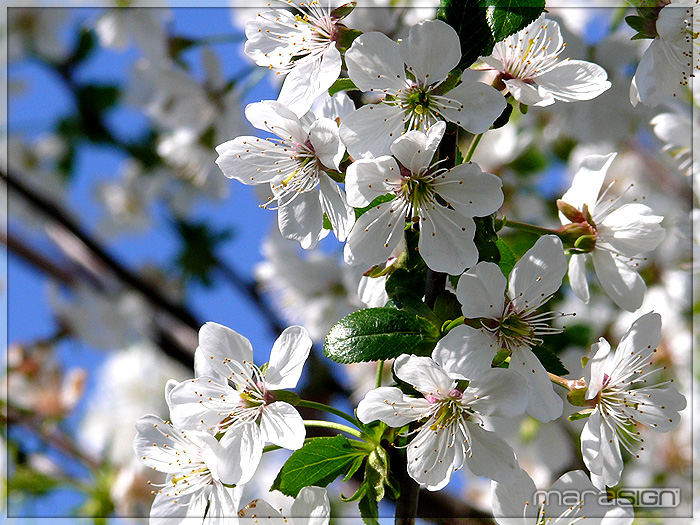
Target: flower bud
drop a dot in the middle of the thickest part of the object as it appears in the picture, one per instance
(570, 212)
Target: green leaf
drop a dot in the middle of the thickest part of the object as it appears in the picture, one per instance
(342, 84)
(507, 257)
(405, 288)
(354, 467)
(97, 97)
(482, 23)
(485, 239)
(550, 361)
(26, 480)
(197, 255)
(447, 307)
(376, 202)
(317, 463)
(506, 17)
(369, 509)
(379, 333)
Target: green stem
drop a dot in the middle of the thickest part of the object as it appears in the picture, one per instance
(334, 426)
(380, 371)
(472, 147)
(523, 226)
(330, 410)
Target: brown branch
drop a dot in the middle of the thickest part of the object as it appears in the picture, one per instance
(35, 259)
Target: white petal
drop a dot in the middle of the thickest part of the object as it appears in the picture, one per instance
(577, 276)
(481, 291)
(528, 94)
(252, 160)
(490, 456)
(430, 458)
(287, 358)
(338, 106)
(573, 80)
(465, 352)
(415, 149)
(513, 500)
(164, 509)
(276, 118)
(600, 450)
(498, 392)
(622, 284)
(282, 425)
(390, 405)
(324, 137)
(311, 507)
(261, 512)
(632, 229)
(216, 343)
(640, 340)
(370, 131)
(470, 191)
(473, 106)
(538, 273)
(367, 179)
(187, 410)
(424, 374)
(659, 408)
(310, 77)
(587, 182)
(374, 63)
(372, 292)
(446, 240)
(302, 219)
(241, 450)
(431, 50)
(152, 447)
(335, 206)
(597, 367)
(223, 504)
(375, 234)
(543, 403)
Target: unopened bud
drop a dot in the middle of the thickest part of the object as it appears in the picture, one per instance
(571, 213)
(343, 10)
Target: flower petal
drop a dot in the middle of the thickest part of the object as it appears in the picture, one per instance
(272, 116)
(446, 240)
(587, 182)
(390, 405)
(577, 276)
(415, 149)
(430, 457)
(622, 284)
(528, 94)
(513, 500)
(252, 160)
(538, 274)
(287, 358)
(281, 424)
(597, 367)
(375, 234)
(182, 510)
(217, 343)
(465, 352)
(310, 77)
(374, 63)
(325, 139)
(497, 392)
(431, 51)
(370, 130)
(470, 191)
(658, 408)
(335, 206)
(543, 403)
(424, 374)
(239, 454)
(481, 291)
(302, 219)
(312, 505)
(187, 409)
(573, 80)
(600, 450)
(490, 456)
(632, 229)
(367, 179)
(473, 106)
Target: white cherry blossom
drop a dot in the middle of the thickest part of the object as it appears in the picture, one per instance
(528, 63)
(410, 76)
(302, 46)
(231, 394)
(422, 194)
(623, 396)
(195, 466)
(310, 507)
(622, 233)
(671, 59)
(451, 432)
(508, 320)
(571, 499)
(296, 166)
